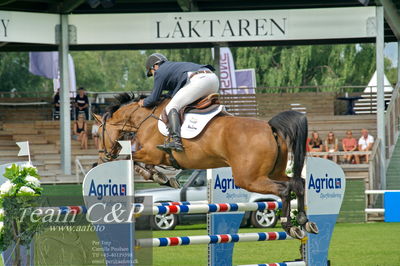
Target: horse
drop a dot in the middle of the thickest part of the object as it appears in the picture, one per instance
(257, 151)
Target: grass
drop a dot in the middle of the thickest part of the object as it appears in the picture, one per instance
(351, 244)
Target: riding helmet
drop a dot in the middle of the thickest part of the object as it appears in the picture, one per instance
(153, 59)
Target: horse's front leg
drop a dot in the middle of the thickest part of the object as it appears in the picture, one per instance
(150, 156)
(161, 178)
(145, 173)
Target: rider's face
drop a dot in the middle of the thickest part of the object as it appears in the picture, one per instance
(155, 67)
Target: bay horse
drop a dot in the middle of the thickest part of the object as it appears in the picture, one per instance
(256, 150)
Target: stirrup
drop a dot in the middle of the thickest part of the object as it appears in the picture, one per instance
(173, 145)
(164, 148)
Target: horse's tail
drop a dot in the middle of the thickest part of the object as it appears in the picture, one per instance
(293, 127)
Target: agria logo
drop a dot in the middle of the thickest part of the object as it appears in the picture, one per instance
(103, 190)
(324, 183)
(225, 184)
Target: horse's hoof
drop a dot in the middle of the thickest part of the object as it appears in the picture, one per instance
(311, 227)
(301, 218)
(174, 183)
(296, 232)
(160, 178)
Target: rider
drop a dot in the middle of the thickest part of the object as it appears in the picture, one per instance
(185, 82)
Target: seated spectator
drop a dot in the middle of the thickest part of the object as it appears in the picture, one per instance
(365, 143)
(331, 145)
(315, 143)
(82, 103)
(349, 144)
(308, 146)
(95, 134)
(80, 131)
(56, 102)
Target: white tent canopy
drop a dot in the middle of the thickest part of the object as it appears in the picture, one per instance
(371, 88)
(367, 104)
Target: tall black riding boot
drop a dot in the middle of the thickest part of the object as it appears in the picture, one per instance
(174, 128)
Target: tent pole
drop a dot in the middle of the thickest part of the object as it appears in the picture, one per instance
(65, 120)
(380, 104)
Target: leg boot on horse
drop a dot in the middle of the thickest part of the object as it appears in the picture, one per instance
(174, 127)
(149, 172)
(298, 187)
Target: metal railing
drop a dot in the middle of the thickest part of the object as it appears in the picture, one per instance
(79, 168)
(374, 177)
(375, 165)
(392, 122)
(339, 153)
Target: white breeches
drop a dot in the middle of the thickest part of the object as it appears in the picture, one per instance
(198, 86)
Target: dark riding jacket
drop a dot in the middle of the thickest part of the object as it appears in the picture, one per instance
(171, 76)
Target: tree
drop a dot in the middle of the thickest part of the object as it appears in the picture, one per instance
(329, 66)
(14, 73)
(317, 65)
(111, 70)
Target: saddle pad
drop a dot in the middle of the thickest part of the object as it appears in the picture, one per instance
(193, 124)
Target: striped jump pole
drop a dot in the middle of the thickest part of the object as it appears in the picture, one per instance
(211, 239)
(180, 203)
(211, 208)
(63, 210)
(293, 204)
(176, 209)
(289, 263)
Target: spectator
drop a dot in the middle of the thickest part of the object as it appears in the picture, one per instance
(80, 131)
(349, 144)
(308, 146)
(331, 145)
(95, 134)
(56, 102)
(82, 103)
(315, 144)
(365, 143)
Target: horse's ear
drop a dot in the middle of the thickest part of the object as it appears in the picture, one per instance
(97, 118)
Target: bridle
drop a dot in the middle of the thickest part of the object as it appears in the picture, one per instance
(124, 134)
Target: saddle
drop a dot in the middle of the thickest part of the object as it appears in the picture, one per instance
(205, 104)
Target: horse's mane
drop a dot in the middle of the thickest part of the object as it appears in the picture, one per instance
(127, 98)
(123, 99)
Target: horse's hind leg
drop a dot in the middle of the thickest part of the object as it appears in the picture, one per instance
(297, 185)
(286, 222)
(265, 185)
(288, 185)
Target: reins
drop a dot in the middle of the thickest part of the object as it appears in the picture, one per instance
(113, 154)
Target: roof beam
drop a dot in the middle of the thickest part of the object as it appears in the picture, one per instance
(188, 5)
(64, 6)
(392, 16)
(69, 6)
(6, 2)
